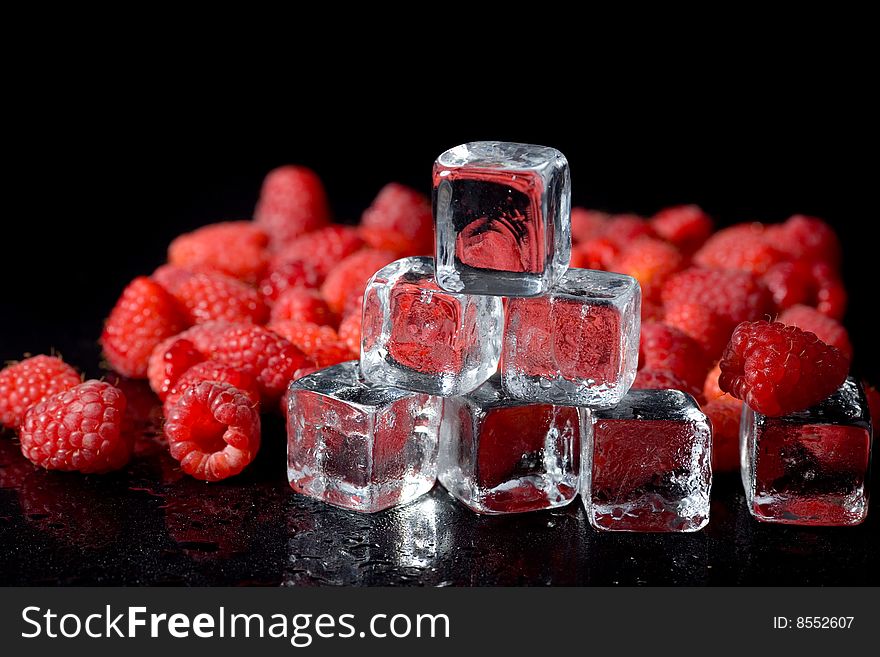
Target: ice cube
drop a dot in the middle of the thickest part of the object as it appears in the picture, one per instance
(503, 218)
(647, 467)
(418, 337)
(498, 455)
(358, 445)
(578, 345)
(809, 467)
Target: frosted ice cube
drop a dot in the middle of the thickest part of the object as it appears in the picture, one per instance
(498, 455)
(418, 337)
(578, 345)
(810, 467)
(503, 218)
(647, 467)
(358, 445)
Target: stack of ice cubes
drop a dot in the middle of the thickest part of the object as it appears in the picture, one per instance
(502, 372)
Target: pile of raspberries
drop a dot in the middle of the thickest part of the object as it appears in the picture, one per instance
(242, 308)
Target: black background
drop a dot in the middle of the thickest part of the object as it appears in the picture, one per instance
(101, 175)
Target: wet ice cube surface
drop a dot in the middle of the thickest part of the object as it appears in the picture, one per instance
(419, 337)
(503, 218)
(810, 467)
(357, 445)
(499, 455)
(577, 345)
(647, 465)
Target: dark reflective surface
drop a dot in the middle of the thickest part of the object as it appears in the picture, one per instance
(152, 525)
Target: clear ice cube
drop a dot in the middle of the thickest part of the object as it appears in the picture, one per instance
(503, 218)
(418, 337)
(810, 467)
(358, 445)
(577, 345)
(498, 455)
(647, 466)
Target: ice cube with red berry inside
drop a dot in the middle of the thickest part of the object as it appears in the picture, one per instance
(809, 467)
(502, 214)
(357, 445)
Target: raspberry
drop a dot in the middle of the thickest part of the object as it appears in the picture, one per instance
(171, 277)
(323, 249)
(807, 238)
(216, 372)
(29, 382)
(725, 414)
(169, 360)
(587, 224)
(651, 379)
(207, 336)
(143, 418)
(830, 293)
(292, 202)
(320, 343)
(283, 275)
(207, 297)
(144, 316)
(626, 228)
(213, 431)
(790, 283)
(236, 248)
(685, 226)
(711, 389)
(399, 220)
(349, 278)
(78, 429)
(778, 369)
(303, 305)
(744, 247)
(828, 330)
(735, 296)
(650, 262)
(350, 330)
(663, 347)
(271, 358)
(702, 324)
(595, 253)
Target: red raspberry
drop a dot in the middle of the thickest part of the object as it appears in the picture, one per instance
(399, 220)
(596, 253)
(650, 262)
(171, 277)
(626, 228)
(587, 225)
(349, 278)
(320, 343)
(216, 372)
(143, 419)
(790, 283)
(350, 330)
(830, 293)
(686, 226)
(207, 297)
(663, 347)
(29, 382)
(651, 379)
(144, 316)
(292, 203)
(807, 238)
(214, 431)
(236, 248)
(303, 305)
(283, 275)
(78, 429)
(778, 369)
(711, 389)
(828, 330)
(206, 337)
(169, 360)
(702, 324)
(271, 358)
(323, 249)
(744, 247)
(725, 414)
(736, 296)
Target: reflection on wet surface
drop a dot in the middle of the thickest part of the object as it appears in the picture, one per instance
(152, 525)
